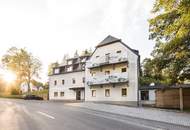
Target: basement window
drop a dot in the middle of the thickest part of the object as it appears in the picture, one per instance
(62, 94)
(124, 92)
(55, 94)
(93, 93)
(107, 92)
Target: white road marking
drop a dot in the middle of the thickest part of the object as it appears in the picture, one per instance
(44, 114)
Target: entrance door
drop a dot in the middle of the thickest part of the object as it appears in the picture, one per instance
(78, 95)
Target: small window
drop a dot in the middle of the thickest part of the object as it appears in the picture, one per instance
(93, 93)
(144, 95)
(93, 73)
(55, 94)
(63, 82)
(107, 92)
(73, 80)
(83, 79)
(124, 91)
(62, 94)
(55, 82)
(124, 70)
(118, 51)
(97, 56)
(107, 72)
(107, 57)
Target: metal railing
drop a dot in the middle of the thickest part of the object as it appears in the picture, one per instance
(108, 79)
(107, 60)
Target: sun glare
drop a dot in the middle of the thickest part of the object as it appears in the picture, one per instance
(9, 76)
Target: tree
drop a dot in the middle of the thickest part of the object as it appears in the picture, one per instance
(23, 63)
(51, 66)
(170, 28)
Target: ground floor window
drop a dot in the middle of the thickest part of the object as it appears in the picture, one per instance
(124, 92)
(62, 94)
(93, 93)
(145, 95)
(107, 92)
(55, 94)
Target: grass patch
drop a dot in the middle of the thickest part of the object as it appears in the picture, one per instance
(42, 92)
(11, 96)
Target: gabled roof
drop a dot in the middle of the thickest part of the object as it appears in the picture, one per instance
(108, 40)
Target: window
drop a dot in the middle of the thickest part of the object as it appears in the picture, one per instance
(73, 80)
(124, 91)
(97, 56)
(56, 71)
(93, 73)
(69, 68)
(62, 94)
(55, 82)
(107, 92)
(107, 57)
(83, 79)
(118, 51)
(93, 93)
(107, 72)
(63, 81)
(124, 70)
(55, 94)
(144, 95)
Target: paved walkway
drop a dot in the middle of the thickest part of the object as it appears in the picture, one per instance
(173, 117)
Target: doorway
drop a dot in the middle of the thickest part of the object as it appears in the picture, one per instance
(78, 95)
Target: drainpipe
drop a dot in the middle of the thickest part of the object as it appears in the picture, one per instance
(138, 79)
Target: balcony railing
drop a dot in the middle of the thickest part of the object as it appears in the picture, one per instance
(108, 79)
(106, 61)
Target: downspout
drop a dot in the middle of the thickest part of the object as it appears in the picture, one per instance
(138, 77)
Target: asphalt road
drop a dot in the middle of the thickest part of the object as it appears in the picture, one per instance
(44, 115)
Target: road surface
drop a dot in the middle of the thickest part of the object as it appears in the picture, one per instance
(45, 115)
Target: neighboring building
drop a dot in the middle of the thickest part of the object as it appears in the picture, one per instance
(24, 87)
(112, 73)
(147, 94)
(166, 96)
(68, 79)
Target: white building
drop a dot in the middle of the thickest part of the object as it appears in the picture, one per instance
(24, 87)
(68, 80)
(112, 73)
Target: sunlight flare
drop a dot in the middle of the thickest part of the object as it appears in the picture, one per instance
(9, 76)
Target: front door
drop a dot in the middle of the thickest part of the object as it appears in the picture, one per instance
(78, 95)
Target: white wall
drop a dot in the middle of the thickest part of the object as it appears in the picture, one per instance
(68, 94)
(132, 74)
(152, 95)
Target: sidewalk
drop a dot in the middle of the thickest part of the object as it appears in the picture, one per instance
(178, 118)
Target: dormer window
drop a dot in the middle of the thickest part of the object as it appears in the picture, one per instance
(56, 71)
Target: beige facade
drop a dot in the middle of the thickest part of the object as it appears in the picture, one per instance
(112, 69)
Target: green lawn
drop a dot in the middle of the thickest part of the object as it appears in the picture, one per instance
(11, 96)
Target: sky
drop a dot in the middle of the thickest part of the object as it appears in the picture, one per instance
(51, 28)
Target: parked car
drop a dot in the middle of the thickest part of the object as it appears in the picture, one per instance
(32, 97)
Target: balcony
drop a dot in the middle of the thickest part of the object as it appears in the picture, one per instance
(108, 79)
(102, 61)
